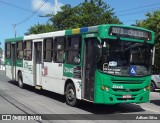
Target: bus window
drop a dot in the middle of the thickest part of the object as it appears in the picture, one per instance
(19, 50)
(47, 52)
(59, 49)
(28, 50)
(73, 49)
(8, 50)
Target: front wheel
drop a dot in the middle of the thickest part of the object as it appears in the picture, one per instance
(70, 95)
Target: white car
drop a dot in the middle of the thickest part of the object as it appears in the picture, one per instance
(155, 82)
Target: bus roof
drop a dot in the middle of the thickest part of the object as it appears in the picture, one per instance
(72, 32)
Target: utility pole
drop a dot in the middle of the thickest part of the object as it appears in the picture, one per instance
(14, 28)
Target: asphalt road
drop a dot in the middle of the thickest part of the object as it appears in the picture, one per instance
(14, 100)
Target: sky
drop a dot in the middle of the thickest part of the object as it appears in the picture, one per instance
(22, 13)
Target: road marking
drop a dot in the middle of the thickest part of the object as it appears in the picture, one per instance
(152, 110)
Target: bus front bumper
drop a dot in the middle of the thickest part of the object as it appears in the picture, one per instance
(107, 98)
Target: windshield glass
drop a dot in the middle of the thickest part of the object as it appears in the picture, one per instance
(125, 58)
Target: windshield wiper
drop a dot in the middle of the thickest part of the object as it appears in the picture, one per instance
(132, 46)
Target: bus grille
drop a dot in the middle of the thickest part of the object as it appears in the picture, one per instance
(126, 90)
(123, 99)
(127, 81)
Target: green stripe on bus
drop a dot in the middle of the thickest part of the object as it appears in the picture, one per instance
(14, 39)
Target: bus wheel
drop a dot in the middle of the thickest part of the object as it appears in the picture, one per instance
(70, 95)
(20, 80)
(153, 87)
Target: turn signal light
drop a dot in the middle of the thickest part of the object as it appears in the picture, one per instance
(102, 87)
(147, 88)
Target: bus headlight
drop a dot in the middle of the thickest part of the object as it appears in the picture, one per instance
(107, 88)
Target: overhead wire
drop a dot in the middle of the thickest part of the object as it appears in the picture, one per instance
(126, 10)
(142, 11)
(33, 13)
(123, 11)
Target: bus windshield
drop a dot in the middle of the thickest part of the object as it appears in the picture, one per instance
(118, 57)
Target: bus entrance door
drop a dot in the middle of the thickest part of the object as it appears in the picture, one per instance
(89, 68)
(13, 61)
(37, 64)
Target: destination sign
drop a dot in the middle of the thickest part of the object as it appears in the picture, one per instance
(130, 33)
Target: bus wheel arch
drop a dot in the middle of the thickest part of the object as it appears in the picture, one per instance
(20, 79)
(70, 93)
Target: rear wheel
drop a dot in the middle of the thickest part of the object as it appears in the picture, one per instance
(70, 95)
(153, 87)
(20, 80)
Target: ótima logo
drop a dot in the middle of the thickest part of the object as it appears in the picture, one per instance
(132, 70)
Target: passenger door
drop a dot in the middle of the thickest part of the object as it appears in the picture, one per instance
(89, 67)
(37, 59)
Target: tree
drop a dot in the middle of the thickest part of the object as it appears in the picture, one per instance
(88, 13)
(41, 28)
(85, 14)
(152, 22)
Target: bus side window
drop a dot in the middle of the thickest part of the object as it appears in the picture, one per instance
(8, 50)
(27, 50)
(58, 49)
(19, 48)
(47, 49)
(73, 49)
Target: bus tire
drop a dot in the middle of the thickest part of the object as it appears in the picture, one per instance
(153, 87)
(20, 80)
(70, 94)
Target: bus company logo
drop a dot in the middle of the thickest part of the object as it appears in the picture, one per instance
(68, 70)
(117, 86)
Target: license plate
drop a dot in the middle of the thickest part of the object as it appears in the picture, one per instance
(127, 96)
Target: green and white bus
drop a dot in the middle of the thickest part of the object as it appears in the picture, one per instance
(104, 64)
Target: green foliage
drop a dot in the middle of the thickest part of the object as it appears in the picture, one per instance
(152, 22)
(85, 14)
(88, 13)
(41, 28)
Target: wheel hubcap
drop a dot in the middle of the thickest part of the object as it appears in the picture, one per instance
(70, 94)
